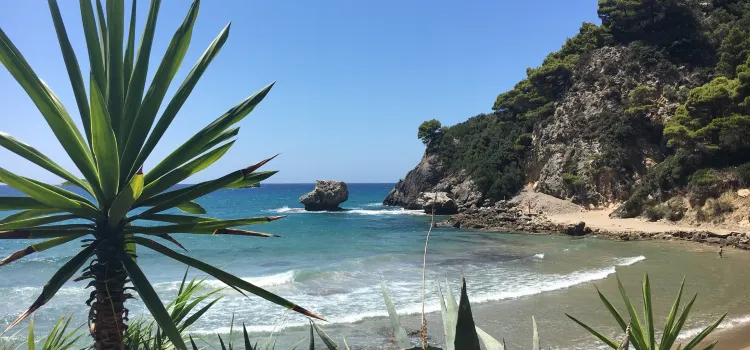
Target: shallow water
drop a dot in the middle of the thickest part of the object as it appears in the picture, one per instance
(332, 263)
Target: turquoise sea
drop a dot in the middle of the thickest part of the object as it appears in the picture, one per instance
(333, 262)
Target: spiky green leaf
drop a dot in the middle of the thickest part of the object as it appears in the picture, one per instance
(611, 343)
(152, 301)
(71, 65)
(130, 49)
(29, 214)
(181, 96)
(124, 201)
(192, 147)
(31, 154)
(225, 277)
(466, 332)
(137, 83)
(50, 107)
(212, 226)
(328, 341)
(139, 127)
(489, 342)
(178, 175)
(95, 53)
(398, 330)
(58, 279)
(104, 144)
(50, 197)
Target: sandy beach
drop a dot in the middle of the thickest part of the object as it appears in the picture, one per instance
(563, 212)
(599, 219)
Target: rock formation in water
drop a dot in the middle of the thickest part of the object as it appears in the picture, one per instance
(327, 196)
(438, 203)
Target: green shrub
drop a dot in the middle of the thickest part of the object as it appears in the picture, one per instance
(655, 212)
(675, 209)
(704, 177)
(642, 95)
(718, 207)
(703, 184)
(743, 173)
(524, 139)
(573, 180)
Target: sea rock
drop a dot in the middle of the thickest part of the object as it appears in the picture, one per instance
(578, 229)
(327, 195)
(744, 193)
(440, 202)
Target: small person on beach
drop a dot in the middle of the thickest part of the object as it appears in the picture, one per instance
(721, 251)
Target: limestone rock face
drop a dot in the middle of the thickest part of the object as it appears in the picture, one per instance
(576, 156)
(423, 177)
(439, 201)
(326, 196)
(430, 176)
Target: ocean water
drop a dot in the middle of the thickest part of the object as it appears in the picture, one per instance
(333, 262)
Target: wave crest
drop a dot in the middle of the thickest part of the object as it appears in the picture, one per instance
(357, 211)
(630, 261)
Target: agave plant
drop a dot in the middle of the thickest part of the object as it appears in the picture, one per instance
(641, 335)
(458, 324)
(120, 131)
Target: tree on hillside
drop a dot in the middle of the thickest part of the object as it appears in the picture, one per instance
(429, 131)
(733, 51)
(669, 24)
(715, 118)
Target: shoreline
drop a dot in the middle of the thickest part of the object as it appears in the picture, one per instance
(535, 213)
(599, 224)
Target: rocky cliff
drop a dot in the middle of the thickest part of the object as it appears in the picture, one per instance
(430, 176)
(643, 105)
(593, 150)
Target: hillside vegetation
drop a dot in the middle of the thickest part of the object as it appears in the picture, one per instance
(672, 80)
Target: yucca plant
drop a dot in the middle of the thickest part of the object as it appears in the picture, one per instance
(641, 334)
(120, 130)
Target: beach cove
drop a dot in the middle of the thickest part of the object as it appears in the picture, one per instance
(333, 262)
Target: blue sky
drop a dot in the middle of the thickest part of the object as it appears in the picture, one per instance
(354, 78)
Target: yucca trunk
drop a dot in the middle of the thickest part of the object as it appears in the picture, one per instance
(108, 313)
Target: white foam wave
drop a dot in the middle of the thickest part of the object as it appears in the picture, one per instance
(630, 261)
(286, 209)
(727, 324)
(561, 282)
(564, 282)
(358, 211)
(400, 211)
(376, 204)
(260, 281)
(369, 304)
(539, 256)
